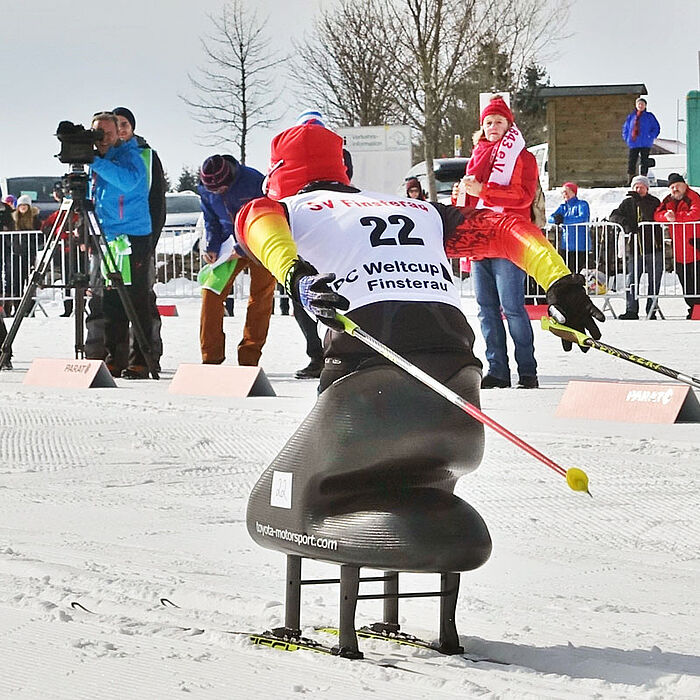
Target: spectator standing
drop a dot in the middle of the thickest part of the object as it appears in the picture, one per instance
(639, 132)
(225, 187)
(24, 246)
(157, 186)
(119, 188)
(502, 176)
(414, 189)
(26, 215)
(645, 245)
(678, 207)
(573, 217)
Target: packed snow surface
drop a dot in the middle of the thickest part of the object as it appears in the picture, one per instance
(116, 498)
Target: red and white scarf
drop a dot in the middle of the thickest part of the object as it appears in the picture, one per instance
(635, 125)
(502, 156)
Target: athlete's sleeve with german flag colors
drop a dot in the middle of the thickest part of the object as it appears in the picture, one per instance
(482, 233)
(263, 231)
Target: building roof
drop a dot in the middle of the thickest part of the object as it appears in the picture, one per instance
(669, 146)
(592, 90)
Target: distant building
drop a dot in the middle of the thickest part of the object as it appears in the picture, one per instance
(584, 133)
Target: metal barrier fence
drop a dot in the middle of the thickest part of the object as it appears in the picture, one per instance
(177, 259)
(669, 254)
(18, 254)
(651, 264)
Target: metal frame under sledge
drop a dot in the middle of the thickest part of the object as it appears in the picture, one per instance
(350, 581)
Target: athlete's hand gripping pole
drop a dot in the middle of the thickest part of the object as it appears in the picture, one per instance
(313, 291)
(573, 336)
(569, 303)
(575, 478)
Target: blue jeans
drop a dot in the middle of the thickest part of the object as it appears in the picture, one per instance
(499, 284)
(653, 265)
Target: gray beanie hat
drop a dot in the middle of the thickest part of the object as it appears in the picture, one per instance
(640, 180)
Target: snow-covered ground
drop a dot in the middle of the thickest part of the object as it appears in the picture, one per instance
(115, 498)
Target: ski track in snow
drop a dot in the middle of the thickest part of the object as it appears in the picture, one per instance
(116, 498)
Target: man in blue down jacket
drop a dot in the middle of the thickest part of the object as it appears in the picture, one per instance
(639, 132)
(119, 188)
(225, 187)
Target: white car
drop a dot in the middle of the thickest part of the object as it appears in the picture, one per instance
(447, 172)
(541, 153)
(181, 233)
(182, 209)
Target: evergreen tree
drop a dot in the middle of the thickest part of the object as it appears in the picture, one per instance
(188, 180)
(492, 72)
(530, 108)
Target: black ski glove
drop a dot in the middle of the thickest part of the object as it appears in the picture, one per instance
(313, 292)
(569, 304)
(558, 219)
(695, 242)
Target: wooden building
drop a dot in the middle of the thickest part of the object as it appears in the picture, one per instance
(584, 132)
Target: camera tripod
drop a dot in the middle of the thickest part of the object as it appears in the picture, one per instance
(90, 237)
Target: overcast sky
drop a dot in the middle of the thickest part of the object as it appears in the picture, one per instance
(67, 60)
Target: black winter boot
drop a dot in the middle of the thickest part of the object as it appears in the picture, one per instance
(311, 371)
(67, 308)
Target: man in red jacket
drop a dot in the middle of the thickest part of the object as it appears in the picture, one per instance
(677, 208)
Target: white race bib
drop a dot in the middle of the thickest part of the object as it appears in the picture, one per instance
(380, 248)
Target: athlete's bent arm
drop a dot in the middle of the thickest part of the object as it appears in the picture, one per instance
(484, 233)
(263, 231)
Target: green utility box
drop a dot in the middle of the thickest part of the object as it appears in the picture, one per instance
(693, 137)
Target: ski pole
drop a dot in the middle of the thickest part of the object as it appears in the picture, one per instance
(576, 479)
(574, 336)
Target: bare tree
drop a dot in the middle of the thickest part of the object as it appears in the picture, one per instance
(520, 34)
(421, 61)
(234, 91)
(528, 32)
(435, 39)
(440, 43)
(348, 64)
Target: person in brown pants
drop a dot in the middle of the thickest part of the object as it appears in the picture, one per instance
(212, 339)
(225, 186)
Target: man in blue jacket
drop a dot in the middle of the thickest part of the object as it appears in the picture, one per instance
(225, 187)
(639, 132)
(573, 216)
(119, 189)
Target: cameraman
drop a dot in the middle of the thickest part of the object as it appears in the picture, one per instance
(119, 188)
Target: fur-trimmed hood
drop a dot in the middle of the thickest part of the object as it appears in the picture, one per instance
(29, 221)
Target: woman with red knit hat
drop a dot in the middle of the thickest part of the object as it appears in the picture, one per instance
(502, 176)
